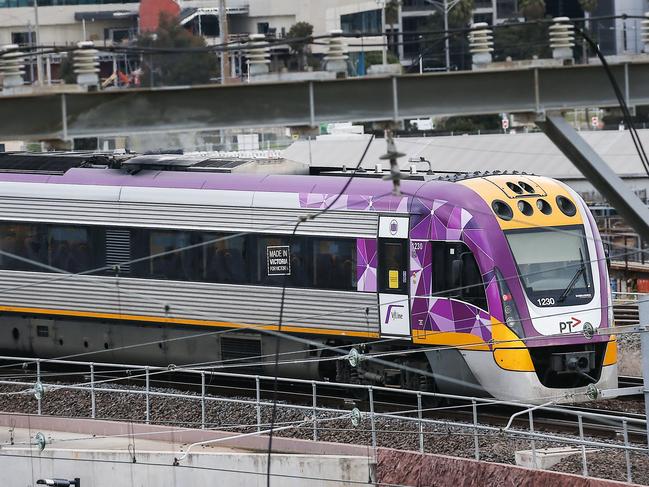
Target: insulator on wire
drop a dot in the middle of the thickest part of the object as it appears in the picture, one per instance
(258, 54)
(336, 58)
(645, 33)
(562, 38)
(481, 43)
(86, 64)
(12, 66)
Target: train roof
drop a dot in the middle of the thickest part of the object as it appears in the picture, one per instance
(165, 179)
(200, 171)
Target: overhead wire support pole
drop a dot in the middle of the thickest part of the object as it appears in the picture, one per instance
(225, 34)
(384, 49)
(39, 57)
(591, 165)
(643, 312)
(447, 46)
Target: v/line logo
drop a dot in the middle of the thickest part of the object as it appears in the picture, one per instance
(394, 313)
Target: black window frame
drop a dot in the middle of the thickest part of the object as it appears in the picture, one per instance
(383, 274)
(446, 283)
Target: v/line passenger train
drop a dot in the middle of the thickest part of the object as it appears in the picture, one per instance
(487, 280)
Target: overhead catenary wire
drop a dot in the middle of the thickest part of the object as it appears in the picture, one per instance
(628, 119)
(283, 298)
(280, 325)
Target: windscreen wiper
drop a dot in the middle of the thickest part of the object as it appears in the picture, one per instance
(575, 278)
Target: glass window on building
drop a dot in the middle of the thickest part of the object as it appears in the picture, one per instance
(50, 3)
(368, 21)
(414, 5)
(22, 38)
(506, 8)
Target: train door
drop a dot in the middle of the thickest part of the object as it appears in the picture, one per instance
(394, 302)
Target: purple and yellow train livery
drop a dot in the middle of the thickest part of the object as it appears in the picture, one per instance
(495, 283)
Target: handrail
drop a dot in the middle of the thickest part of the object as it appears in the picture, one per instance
(456, 397)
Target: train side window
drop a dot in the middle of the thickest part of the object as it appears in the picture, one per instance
(456, 274)
(282, 260)
(334, 264)
(69, 248)
(177, 266)
(393, 266)
(224, 260)
(24, 240)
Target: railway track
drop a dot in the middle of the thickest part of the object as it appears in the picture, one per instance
(630, 381)
(336, 396)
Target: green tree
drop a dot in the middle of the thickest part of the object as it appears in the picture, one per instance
(392, 12)
(299, 40)
(471, 124)
(376, 57)
(461, 13)
(532, 9)
(433, 45)
(588, 5)
(66, 69)
(521, 41)
(170, 68)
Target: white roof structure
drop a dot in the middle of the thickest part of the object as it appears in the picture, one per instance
(529, 152)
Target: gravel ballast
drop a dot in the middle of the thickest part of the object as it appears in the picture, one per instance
(442, 438)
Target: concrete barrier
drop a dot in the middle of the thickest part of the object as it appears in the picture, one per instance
(97, 468)
(414, 469)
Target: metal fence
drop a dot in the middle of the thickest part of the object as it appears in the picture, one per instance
(623, 424)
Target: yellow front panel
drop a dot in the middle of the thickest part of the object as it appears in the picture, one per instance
(610, 357)
(492, 188)
(510, 352)
(465, 341)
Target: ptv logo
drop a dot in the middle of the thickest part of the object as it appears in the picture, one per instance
(569, 325)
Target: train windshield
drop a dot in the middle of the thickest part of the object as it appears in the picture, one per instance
(554, 265)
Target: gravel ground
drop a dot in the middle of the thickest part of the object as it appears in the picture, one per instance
(634, 405)
(629, 357)
(441, 439)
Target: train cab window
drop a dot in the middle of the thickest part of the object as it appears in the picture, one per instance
(335, 264)
(393, 266)
(224, 260)
(456, 274)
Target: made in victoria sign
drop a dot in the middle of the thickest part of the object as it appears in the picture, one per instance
(279, 260)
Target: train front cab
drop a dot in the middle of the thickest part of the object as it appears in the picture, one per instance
(534, 350)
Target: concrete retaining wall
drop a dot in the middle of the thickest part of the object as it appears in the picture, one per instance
(418, 470)
(22, 467)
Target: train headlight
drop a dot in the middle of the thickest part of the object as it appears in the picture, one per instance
(510, 311)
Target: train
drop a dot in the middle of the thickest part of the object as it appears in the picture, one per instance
(492, 283)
